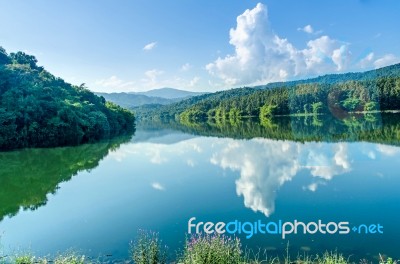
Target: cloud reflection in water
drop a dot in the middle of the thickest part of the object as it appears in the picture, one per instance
(265, 165)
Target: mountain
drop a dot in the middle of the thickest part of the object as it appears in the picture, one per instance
(38, 109)
(129, 100)
(163, 96)
(170, 93)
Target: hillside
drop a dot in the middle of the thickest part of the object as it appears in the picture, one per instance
(38, 109)
(385, 72)
(129, 100)
(172, 110)
(336, 94)
(161, 96)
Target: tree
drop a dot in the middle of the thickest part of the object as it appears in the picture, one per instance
(4, 59)
(267, 111)
(23, 58)
(316, 108)
(371, 106)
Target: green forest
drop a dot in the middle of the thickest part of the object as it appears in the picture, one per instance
(38, 109)
(339, 95)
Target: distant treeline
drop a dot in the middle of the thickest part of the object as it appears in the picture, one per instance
(38, 109)
(339, 95)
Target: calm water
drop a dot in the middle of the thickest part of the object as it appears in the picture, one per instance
(95, 197)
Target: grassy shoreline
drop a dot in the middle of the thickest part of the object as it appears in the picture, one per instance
(198, 249)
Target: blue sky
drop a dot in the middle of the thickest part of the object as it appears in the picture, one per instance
(200, 45)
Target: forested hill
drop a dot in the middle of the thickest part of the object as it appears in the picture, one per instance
(128, 100)
(156, 111)
(385, 72)
(38, 109)
(337, 94)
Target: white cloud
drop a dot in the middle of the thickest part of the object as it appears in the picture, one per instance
(370, 61)
(371, 155)
(160, 150)
(322, 166)
(264, 166)
(329, 168)
(388, 150)
(367, 61)
(157, 186)
(194, 81)
(186, 67)
(261, 56)
(190, 163)
(150, 46)
(308, 29)
(386, 60)
(313, 187)
(114, 83)
(152, 74)
(118, 156)
(340, 58)
(151, 77)
(155, 156)
(324, 55)
(196, 147)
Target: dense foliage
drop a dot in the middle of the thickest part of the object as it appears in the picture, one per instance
(172, 110)
(38, 109)
(338, 95)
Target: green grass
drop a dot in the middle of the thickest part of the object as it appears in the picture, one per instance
(198, 249)
(148, 249)
(211, 249)
(24, 259)
(66, 258)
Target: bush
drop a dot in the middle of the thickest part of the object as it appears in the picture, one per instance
(26, 259)
(212, 250)
(69, 259)
(148, 249)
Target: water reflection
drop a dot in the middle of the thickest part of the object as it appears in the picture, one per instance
(28, 176)
(380, 128)
(265, 165)
(162, 176)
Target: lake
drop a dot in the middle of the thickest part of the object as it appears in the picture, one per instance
(95, 197)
